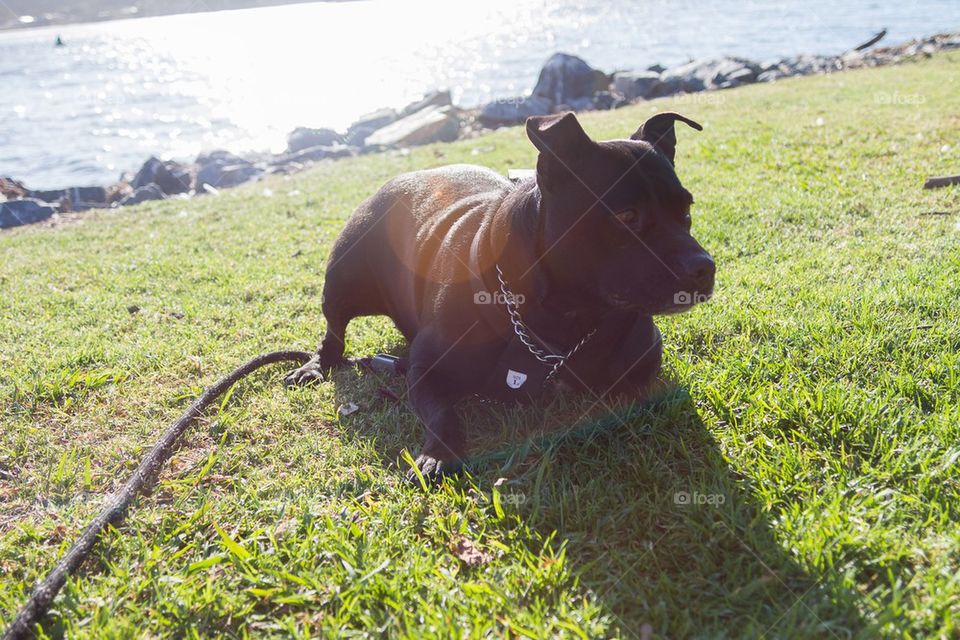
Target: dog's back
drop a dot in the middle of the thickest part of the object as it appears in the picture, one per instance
(403, 246)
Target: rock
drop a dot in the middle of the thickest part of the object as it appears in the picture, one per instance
(657, 68)
(704, 74)
(365, 125)
(599, 100)
(853, 60)
(738, 77)
(223, 169)
(578, 104)
(683, 78)
(609, 100)
(47, 195)
(432, 99)
(143, 194)
(513, 110)
(118, 191)
(809, 64)
(430, 124)
(564, 78)
(84, 198)
(24, 211)
(771, 64)
(378, 119)
(357, 136)
(171, 177)
(636, 84)
(947, 40)
(738, 70)
(771, 75)
(74, 198)
(316, 153)
(12, 189)
(564, 81)
(303, 138)
(283, 168)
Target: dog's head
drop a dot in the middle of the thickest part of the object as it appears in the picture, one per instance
(615, 222)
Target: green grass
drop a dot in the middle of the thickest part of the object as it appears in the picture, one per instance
(812, 408)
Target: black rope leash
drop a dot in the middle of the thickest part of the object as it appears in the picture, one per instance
(116, 508)
(148, 470)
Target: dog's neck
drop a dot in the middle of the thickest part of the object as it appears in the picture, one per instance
(516, 239)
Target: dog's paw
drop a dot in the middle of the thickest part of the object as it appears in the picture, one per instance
(433, 470)
(310, 373)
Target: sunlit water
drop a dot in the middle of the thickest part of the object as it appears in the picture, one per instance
(241, 80)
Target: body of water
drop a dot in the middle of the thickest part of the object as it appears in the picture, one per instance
(121, 91)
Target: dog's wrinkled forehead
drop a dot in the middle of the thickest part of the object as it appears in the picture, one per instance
(640, 174)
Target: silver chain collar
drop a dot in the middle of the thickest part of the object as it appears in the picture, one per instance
(520, 328)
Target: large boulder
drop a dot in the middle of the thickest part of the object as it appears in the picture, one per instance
(143, 194)
(431, 124)
(14, 213)
(171, 177)
(223, 169)
(510, 111)
(565, 81)
(636, 84)
(564, 78)
(358, 132)
(303, 138)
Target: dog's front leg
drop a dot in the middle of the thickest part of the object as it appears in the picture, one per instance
(433, 401)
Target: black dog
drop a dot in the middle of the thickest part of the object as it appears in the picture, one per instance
(501, 288)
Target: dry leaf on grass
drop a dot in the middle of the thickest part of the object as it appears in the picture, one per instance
(468, 552)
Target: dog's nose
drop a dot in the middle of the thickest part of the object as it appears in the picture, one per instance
(701, 270)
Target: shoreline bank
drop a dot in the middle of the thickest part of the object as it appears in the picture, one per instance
(565, 82)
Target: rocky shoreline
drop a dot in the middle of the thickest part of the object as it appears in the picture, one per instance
(566, 82)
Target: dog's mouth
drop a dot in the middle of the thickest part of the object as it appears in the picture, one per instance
(678, 304)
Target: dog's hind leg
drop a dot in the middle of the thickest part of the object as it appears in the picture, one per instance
(330, 354)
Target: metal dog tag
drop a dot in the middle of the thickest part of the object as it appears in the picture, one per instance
(515, 379)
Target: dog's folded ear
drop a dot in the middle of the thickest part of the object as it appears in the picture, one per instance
(559, 135)
(658, 131)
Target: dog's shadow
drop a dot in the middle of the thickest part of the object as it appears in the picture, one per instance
(663, 533)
